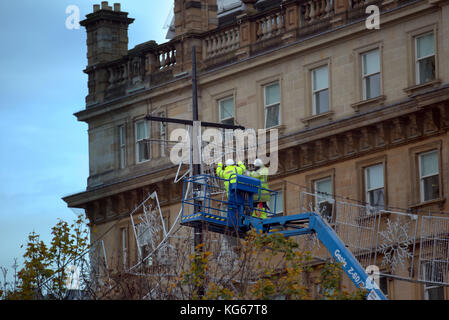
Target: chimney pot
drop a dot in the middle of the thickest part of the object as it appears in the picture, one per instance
(104, 5)
(96, 7)
(117, 7)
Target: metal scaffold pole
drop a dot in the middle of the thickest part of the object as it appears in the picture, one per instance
(196, 167)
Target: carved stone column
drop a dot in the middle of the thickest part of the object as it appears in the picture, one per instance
(413, 127)
(335, 147)
(351, 142)
(430, 121)
(366, 138)
(398, 130)
(321, 150)
(306, 155)
(382, 134)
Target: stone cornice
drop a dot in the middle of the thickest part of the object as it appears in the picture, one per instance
(284, 51)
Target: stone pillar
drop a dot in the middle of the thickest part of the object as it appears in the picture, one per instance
(341, 6)
(195, 16)
(192, 18)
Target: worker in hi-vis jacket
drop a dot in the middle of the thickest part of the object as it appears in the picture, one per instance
(230, 172)
(263, 197)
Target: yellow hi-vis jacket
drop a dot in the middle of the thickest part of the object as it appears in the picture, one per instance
(261, 174)
(260, 211)
(230, 173)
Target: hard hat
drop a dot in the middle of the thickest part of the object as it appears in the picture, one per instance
(258, 163)
(230, 162)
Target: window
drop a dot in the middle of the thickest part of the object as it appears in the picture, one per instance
(320, 90)
(425, 58)
(383, 284)
(122, 134)
(143, 241)
(374, 186)
(429, 176)
(124, 235)
(276, 203)
(142, 146)
(324, 201)
(226, 110)
(163, 134)
(272, 101)
(371, 74)
(433, 271)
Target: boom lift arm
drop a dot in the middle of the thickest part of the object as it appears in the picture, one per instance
(308, 223)
(238, 217)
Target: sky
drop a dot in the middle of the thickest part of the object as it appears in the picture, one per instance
(44, 149)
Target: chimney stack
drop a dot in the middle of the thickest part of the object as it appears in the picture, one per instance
(195, 16)
(107, 33)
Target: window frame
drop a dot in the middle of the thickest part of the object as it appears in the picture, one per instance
(122, 146)
(162, 135)
(427, 287)
(413, 85)
(266, 107)
(314, 92)
(311, 183)
(124, 245)
(315, 189)
(280, 194)
(219, 102)
(361, 178)
(365, 76)
(329, 197)
(281, 189)
(421, 178)
(368, 190)
(415, 201)
(148, 132)
(416, 62)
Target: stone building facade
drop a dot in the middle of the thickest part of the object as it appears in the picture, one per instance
(362, 113)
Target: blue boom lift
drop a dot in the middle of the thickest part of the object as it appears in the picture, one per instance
(235, 215)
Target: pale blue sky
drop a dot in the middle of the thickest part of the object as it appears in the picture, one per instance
(44, 151)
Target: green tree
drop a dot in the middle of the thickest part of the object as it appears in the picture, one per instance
(43, 275)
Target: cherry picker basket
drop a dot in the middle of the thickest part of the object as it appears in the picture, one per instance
(206, 201)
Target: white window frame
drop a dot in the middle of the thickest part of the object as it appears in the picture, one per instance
(315, 185)
(142, 247)
(365, 76)
(220, 119)
(140, 141)
(163, 135)
(421, 177)
(428, 287)
(417, 69)
(322, 198)
(280, 195)
(315, 92)
(122, 142)
(266, 107)
(387, 280)
(124, 234)
(368, 190)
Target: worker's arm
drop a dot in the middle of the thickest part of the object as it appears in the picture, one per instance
(242, 167)
(220, 170)
(254, 174)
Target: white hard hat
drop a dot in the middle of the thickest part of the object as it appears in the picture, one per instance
(230, 162)
(258, 163)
